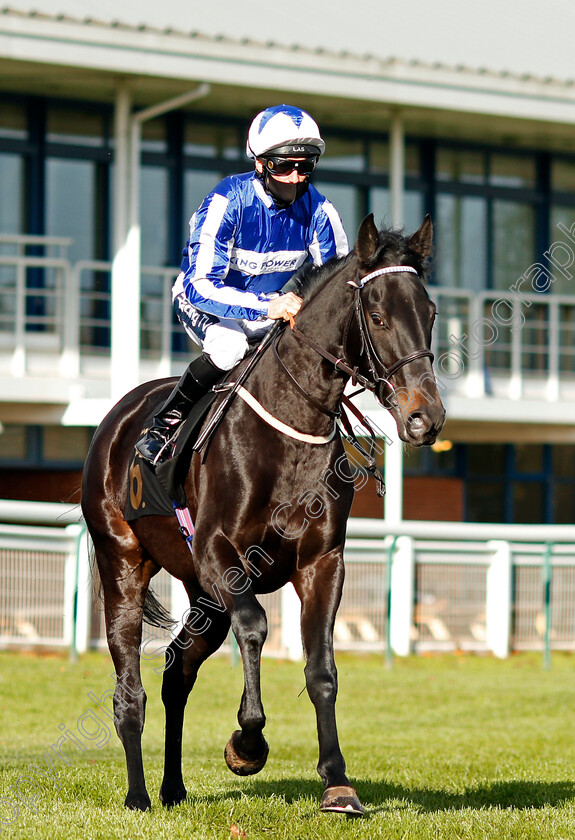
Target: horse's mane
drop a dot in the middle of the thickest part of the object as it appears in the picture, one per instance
(392, 242)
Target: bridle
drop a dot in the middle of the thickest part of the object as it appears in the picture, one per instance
(372, 382)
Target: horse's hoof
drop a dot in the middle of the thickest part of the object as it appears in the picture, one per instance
(343, 800)
(240, 763)
(138, 802)
(172, 797)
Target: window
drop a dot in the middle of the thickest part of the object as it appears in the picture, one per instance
(513, 241)
(13, 123)
(71, 204)
(461, 241)
(78, 126)
(485, 207)
(44, 446)
(12, 193)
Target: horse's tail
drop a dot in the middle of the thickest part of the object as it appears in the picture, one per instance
(156, 614)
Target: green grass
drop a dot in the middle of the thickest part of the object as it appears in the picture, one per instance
(439, 747)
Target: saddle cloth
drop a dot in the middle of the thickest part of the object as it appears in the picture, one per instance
(159, 491)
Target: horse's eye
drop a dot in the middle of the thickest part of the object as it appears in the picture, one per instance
(377, 319)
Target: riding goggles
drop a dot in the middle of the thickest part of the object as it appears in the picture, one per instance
(285, 166)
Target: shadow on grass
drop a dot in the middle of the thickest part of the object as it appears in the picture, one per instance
(382, 796)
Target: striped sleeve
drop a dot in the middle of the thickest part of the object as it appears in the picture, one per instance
(329, 238)
(212, 232)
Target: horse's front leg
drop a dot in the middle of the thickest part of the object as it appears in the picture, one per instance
(247, 750)
(319, 587)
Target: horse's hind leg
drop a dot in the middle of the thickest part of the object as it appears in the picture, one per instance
(197, 640)
(125, 578)
(319, 587)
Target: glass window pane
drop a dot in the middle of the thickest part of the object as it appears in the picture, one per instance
(528, 502)
(380, 206)
(13, 121)
(461, 257)
(346, 201)
(564, 461)
(514, 241)
(563, 250)
(76, 126)
(13, 443)
(486, 458)
(412, 210)
(340, 154)
(485, 501)
(154, 215)
(512, 171)
(460, 165)
(528, 458)
(379, 157)
(197, 185)
(154, 136)
(563, 176)
(70, 204)
(65, 445)
(215, 141)
(564, 506)
(11, 194)
(412, 160)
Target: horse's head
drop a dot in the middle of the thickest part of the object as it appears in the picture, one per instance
(395, 319)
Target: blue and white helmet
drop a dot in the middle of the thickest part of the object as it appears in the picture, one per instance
(284, 130)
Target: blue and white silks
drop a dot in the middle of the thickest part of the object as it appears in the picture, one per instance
(242, 249)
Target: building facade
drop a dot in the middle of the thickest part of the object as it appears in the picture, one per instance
(113, 128)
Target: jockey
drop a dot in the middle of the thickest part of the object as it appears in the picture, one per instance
(247, 239)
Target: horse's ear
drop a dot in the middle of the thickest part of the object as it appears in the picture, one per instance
(422, 239)
(367, 239)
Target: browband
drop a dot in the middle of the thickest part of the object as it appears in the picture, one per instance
(390, 269)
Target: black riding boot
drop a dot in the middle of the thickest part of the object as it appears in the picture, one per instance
(200, 375)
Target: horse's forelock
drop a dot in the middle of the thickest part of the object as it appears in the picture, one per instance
(394, 249)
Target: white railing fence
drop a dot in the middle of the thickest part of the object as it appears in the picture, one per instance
(421, 586)
(498, 343)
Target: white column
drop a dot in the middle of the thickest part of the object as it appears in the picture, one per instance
(125, 349)
(393, 501)
(126, 266)
(291, 623)
(83, 589)
(498, 599)
(180, 604)
(393, 506)
(396, 168)
(401, 610)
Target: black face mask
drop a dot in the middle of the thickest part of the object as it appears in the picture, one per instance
(284, 195)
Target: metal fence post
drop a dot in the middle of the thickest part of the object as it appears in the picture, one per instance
(499, 599)
(291, 618)
(79, 589)
(401, 608)
(547, 576)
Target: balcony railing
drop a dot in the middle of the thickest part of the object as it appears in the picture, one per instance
(55, 321)
(506, 344)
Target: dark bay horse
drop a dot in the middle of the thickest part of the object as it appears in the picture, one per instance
(262, 519)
